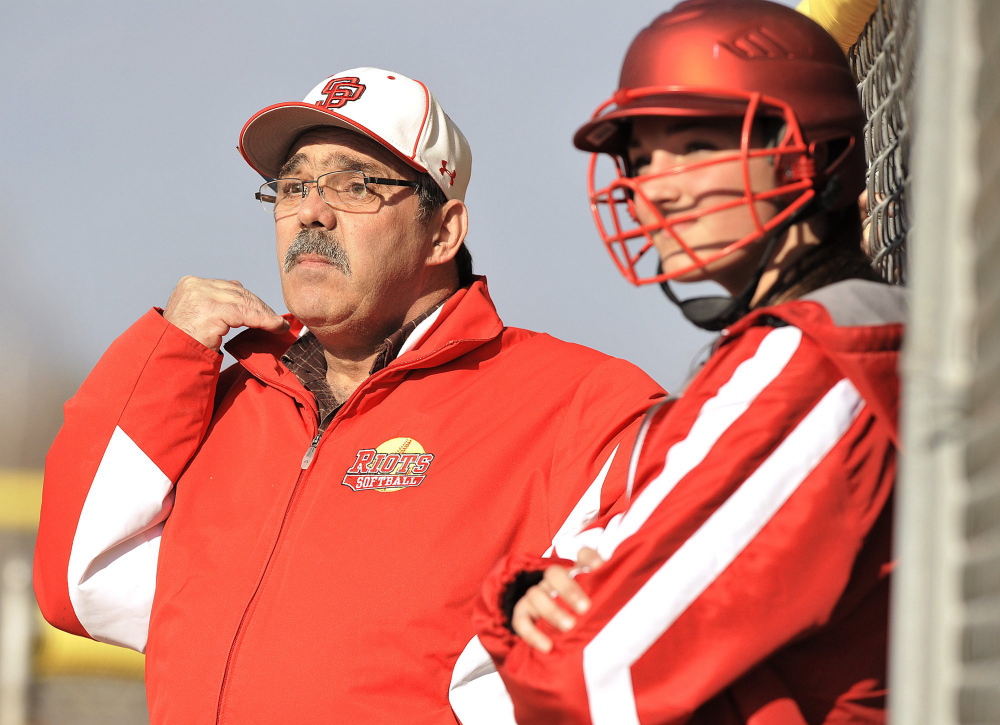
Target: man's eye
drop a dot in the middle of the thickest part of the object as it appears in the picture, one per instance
(356, 189)
(289, 188)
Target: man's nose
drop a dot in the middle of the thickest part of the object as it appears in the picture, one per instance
(313, 211)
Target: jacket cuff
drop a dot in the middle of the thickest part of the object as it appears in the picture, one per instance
(504, 586)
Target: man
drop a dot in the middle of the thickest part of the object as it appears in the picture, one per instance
(747, 581)
(299, 538)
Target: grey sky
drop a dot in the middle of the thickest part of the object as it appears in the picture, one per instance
(121, 174)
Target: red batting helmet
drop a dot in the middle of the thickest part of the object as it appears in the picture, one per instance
(748, 59)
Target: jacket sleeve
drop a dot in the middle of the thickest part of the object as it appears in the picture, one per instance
(752, 498)
(586, 483)
(591, 457)
(109, 480)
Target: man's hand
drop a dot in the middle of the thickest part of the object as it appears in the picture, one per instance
(539, 602)
(207, 309)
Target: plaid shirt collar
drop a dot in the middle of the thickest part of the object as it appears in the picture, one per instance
(305, 359)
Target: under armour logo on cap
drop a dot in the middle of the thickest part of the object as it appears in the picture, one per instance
(450, 174)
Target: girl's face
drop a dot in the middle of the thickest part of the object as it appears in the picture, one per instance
(682, 202)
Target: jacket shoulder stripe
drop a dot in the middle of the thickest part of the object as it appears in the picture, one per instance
(607, 659)
(112, 564)
(716, 416)
(585, 511)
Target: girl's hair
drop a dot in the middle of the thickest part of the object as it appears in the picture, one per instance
(837, 257)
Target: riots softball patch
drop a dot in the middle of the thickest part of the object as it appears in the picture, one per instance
(396, 464)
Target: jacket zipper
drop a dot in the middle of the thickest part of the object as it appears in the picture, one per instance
(306, 460)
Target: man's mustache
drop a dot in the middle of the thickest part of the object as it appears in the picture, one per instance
(321, 242)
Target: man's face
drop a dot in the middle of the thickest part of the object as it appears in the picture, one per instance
(351, 272)
(661, 143)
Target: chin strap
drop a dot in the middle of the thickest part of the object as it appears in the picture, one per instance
(718, 312)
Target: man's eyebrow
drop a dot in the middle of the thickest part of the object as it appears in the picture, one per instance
(291, 165)
(341, 160)
(336, 160)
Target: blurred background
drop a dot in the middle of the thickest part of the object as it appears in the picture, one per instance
(114, 112)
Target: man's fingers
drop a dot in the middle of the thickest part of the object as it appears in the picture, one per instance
(257, 313)
(207, 309)
(276, 324)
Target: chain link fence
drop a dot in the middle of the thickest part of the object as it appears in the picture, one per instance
(884, 64)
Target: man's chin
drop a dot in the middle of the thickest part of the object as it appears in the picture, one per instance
(312, 285)
(315, 311)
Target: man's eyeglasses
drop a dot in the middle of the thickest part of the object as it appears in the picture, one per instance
(342, 190)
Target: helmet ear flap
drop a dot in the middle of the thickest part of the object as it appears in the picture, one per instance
(823, 163)
(800, 165)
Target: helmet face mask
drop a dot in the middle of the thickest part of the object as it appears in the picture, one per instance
(752, 62)
(629, 221)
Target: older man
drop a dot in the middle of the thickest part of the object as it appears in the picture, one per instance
(300, 537)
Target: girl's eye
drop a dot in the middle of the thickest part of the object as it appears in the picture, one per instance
(699, 145)
(638, 164)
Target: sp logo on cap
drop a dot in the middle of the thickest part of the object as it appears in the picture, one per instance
(340, 91)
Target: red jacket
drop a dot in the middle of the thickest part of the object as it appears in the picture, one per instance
(747, 581)
(277, 587)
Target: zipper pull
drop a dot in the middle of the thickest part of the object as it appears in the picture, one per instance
(307, 458)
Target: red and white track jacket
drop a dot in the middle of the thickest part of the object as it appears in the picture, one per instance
(274, 578)
(747, 580)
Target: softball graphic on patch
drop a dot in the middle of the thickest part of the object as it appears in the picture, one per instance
(392, 466)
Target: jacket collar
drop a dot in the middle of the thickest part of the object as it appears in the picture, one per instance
(866, 354)
(467, 320)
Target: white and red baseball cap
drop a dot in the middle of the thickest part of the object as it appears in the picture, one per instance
(397, 112)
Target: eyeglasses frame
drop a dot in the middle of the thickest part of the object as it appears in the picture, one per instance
(264, 199)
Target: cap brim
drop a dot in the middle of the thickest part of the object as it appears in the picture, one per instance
(270, 133)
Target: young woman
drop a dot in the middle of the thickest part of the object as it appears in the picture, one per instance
(746, 579)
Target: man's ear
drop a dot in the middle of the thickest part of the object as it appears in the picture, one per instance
(450, 225)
